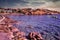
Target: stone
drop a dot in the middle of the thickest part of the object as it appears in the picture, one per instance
(35, 36)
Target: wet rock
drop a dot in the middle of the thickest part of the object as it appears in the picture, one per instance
(34, 36)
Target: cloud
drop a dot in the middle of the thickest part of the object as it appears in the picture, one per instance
(51, 4)
(36, 3)
(53, 0)
(10, 3)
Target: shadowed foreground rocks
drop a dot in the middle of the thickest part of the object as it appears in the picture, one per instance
(34, 36)
(10, 32)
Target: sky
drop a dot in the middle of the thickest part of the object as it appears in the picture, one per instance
(46, 4)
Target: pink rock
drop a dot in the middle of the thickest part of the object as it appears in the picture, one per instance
(35, 36)
(3, 36)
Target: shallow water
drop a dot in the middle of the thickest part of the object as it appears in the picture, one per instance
(47, 25)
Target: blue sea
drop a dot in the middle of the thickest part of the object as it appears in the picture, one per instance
(47, 25)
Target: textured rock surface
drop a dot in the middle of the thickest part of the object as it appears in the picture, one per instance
(34, 36)
(3, 36)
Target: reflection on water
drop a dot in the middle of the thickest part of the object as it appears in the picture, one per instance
(47, 25)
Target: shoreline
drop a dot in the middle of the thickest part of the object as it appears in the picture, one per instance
(17, 14)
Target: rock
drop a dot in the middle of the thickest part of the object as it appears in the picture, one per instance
(23, 38)
(34, 36)
(3, 36)
(12, 33)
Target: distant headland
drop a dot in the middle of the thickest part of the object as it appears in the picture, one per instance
(28, 11)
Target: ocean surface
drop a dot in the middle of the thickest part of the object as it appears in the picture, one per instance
(47, 25)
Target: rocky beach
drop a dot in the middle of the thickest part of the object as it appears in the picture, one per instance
(29, 19)
(29, 24)
(9, 32)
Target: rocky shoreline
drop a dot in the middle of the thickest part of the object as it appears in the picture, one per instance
(27, 11)
(13, 33)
